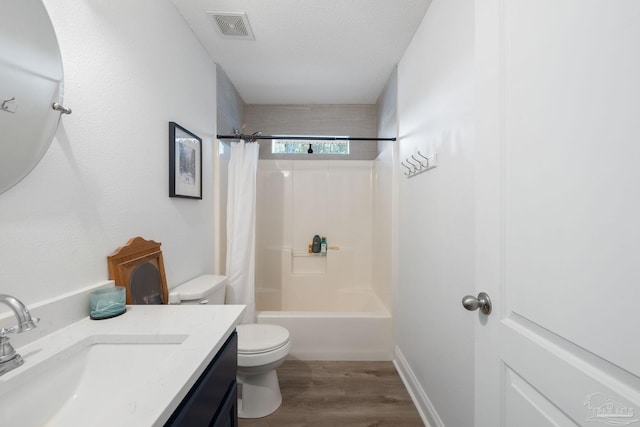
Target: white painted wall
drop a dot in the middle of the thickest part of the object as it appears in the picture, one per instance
(436, 214)
(130, 68)
(385, 192)
(354, 120)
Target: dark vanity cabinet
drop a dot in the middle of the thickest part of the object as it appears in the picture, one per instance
(212, 401)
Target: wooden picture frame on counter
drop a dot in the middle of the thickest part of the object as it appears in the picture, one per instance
(138, 266)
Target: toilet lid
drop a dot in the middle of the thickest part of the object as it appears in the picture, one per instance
(260, 338)
(200, 287)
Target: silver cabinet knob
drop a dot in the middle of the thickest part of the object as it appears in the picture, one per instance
(483, 302)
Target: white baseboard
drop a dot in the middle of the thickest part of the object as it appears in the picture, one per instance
(425, 408)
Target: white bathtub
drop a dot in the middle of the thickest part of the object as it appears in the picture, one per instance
(331, 325)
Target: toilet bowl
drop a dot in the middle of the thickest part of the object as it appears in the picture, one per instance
(261, 349)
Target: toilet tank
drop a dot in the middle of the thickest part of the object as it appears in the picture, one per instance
(205, 289)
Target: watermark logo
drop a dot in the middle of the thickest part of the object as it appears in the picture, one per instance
(607, 411)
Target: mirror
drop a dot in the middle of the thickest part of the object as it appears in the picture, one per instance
(30, 83)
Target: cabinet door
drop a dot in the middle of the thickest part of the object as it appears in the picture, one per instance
(228, 415)
(202, 404)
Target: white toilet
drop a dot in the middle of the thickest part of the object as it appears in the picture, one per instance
(261, 349)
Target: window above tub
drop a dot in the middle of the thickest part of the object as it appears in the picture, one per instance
(294, 145)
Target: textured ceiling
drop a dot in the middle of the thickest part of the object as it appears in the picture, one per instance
(309, 51)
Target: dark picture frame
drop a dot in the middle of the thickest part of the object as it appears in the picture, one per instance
(185, 163)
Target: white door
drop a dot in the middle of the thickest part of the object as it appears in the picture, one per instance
(558, 213)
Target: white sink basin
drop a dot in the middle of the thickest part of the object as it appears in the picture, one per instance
(83, 380)
(128, 371)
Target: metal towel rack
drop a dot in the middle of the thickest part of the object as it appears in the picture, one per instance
(10, 106)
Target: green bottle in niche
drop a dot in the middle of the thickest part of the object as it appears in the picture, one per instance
(323, 246)
(316, 244)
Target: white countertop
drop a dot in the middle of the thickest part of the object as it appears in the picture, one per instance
(202, 330)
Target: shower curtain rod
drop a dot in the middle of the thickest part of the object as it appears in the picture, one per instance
(303, 138)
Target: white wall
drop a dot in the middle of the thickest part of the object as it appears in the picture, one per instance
(356, 120)
(436, 213)
(385, 191)
(130, 68)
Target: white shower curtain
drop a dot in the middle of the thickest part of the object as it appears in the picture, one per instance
(241, 226)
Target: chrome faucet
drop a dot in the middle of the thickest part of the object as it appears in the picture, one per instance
(9, 359)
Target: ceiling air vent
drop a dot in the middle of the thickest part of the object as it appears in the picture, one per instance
(233, 25)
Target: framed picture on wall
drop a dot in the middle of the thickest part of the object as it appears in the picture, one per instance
(185, 163)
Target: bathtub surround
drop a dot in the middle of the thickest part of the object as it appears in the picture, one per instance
(329, 303)
(241, 226)
(300, 198)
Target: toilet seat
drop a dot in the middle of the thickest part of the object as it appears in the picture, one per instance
(260, 344)
(260, 338)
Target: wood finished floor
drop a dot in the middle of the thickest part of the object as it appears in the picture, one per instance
(340, 394)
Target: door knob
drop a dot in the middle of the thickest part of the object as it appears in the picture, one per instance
(483, 302)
